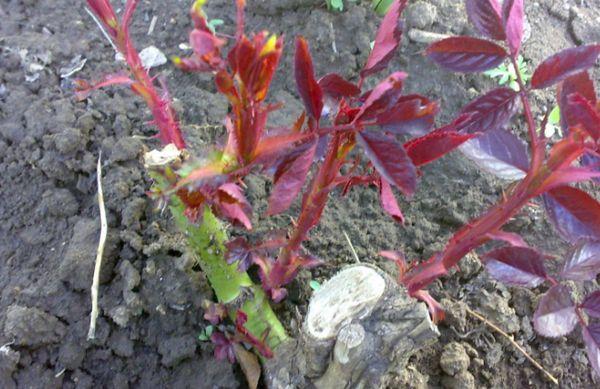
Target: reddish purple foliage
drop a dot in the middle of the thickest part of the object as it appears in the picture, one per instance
(238, 250)
(572, 159)
(223, 347)
(243, 335)
(511, 238)
(382, 98)
(555, 315)
(486, 16)
(583, 264)
(591, 338)
(578, 111)
(335, 86)
(386, 41)
(499, 152)
(513, 14)
(564, 64)
(390, 160)
(412, 114)
(435, 144)
(290, 177)
(389, 202)
(580, 83)
(574, 213)
(519, 266)
(466, 54)
(491, 111)
(308, 88)
(591, 304)
(373, 120)
(215, 313)
(140, 81)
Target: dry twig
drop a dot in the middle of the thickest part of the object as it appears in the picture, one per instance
(99, 252)
(102, 29)
(513, 342)
(351, 247)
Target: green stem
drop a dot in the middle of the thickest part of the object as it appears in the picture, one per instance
(207, 240)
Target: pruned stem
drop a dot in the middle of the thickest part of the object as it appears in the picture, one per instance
(233, 288)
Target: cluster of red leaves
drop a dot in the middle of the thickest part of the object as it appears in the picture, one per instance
(225, 336)
(373, 120)
(137, 77)
(546, 173)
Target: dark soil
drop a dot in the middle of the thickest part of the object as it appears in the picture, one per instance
(151, 294)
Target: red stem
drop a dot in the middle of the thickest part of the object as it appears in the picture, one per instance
(314, 201)
(344, 127)
(580, 317)
(470, 237)
(476, 232)
(162, 111)
(536, 151)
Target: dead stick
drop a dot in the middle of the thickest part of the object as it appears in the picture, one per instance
(514, 343)
(102, 29)
(351, 247)
(99, 252)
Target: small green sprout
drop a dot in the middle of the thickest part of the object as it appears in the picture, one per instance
(335, 5)
(206, 333)
(314, 285)
(507, 74)
(214, 23)
(381, 6)
(553, 125)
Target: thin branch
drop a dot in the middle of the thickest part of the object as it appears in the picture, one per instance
(99, 252)
(536, 156)
(351, 247)
(513, 342)
(152, 24)
(102, 29)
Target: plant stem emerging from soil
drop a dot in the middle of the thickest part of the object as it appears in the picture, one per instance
(233, 288)
(99, 252)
